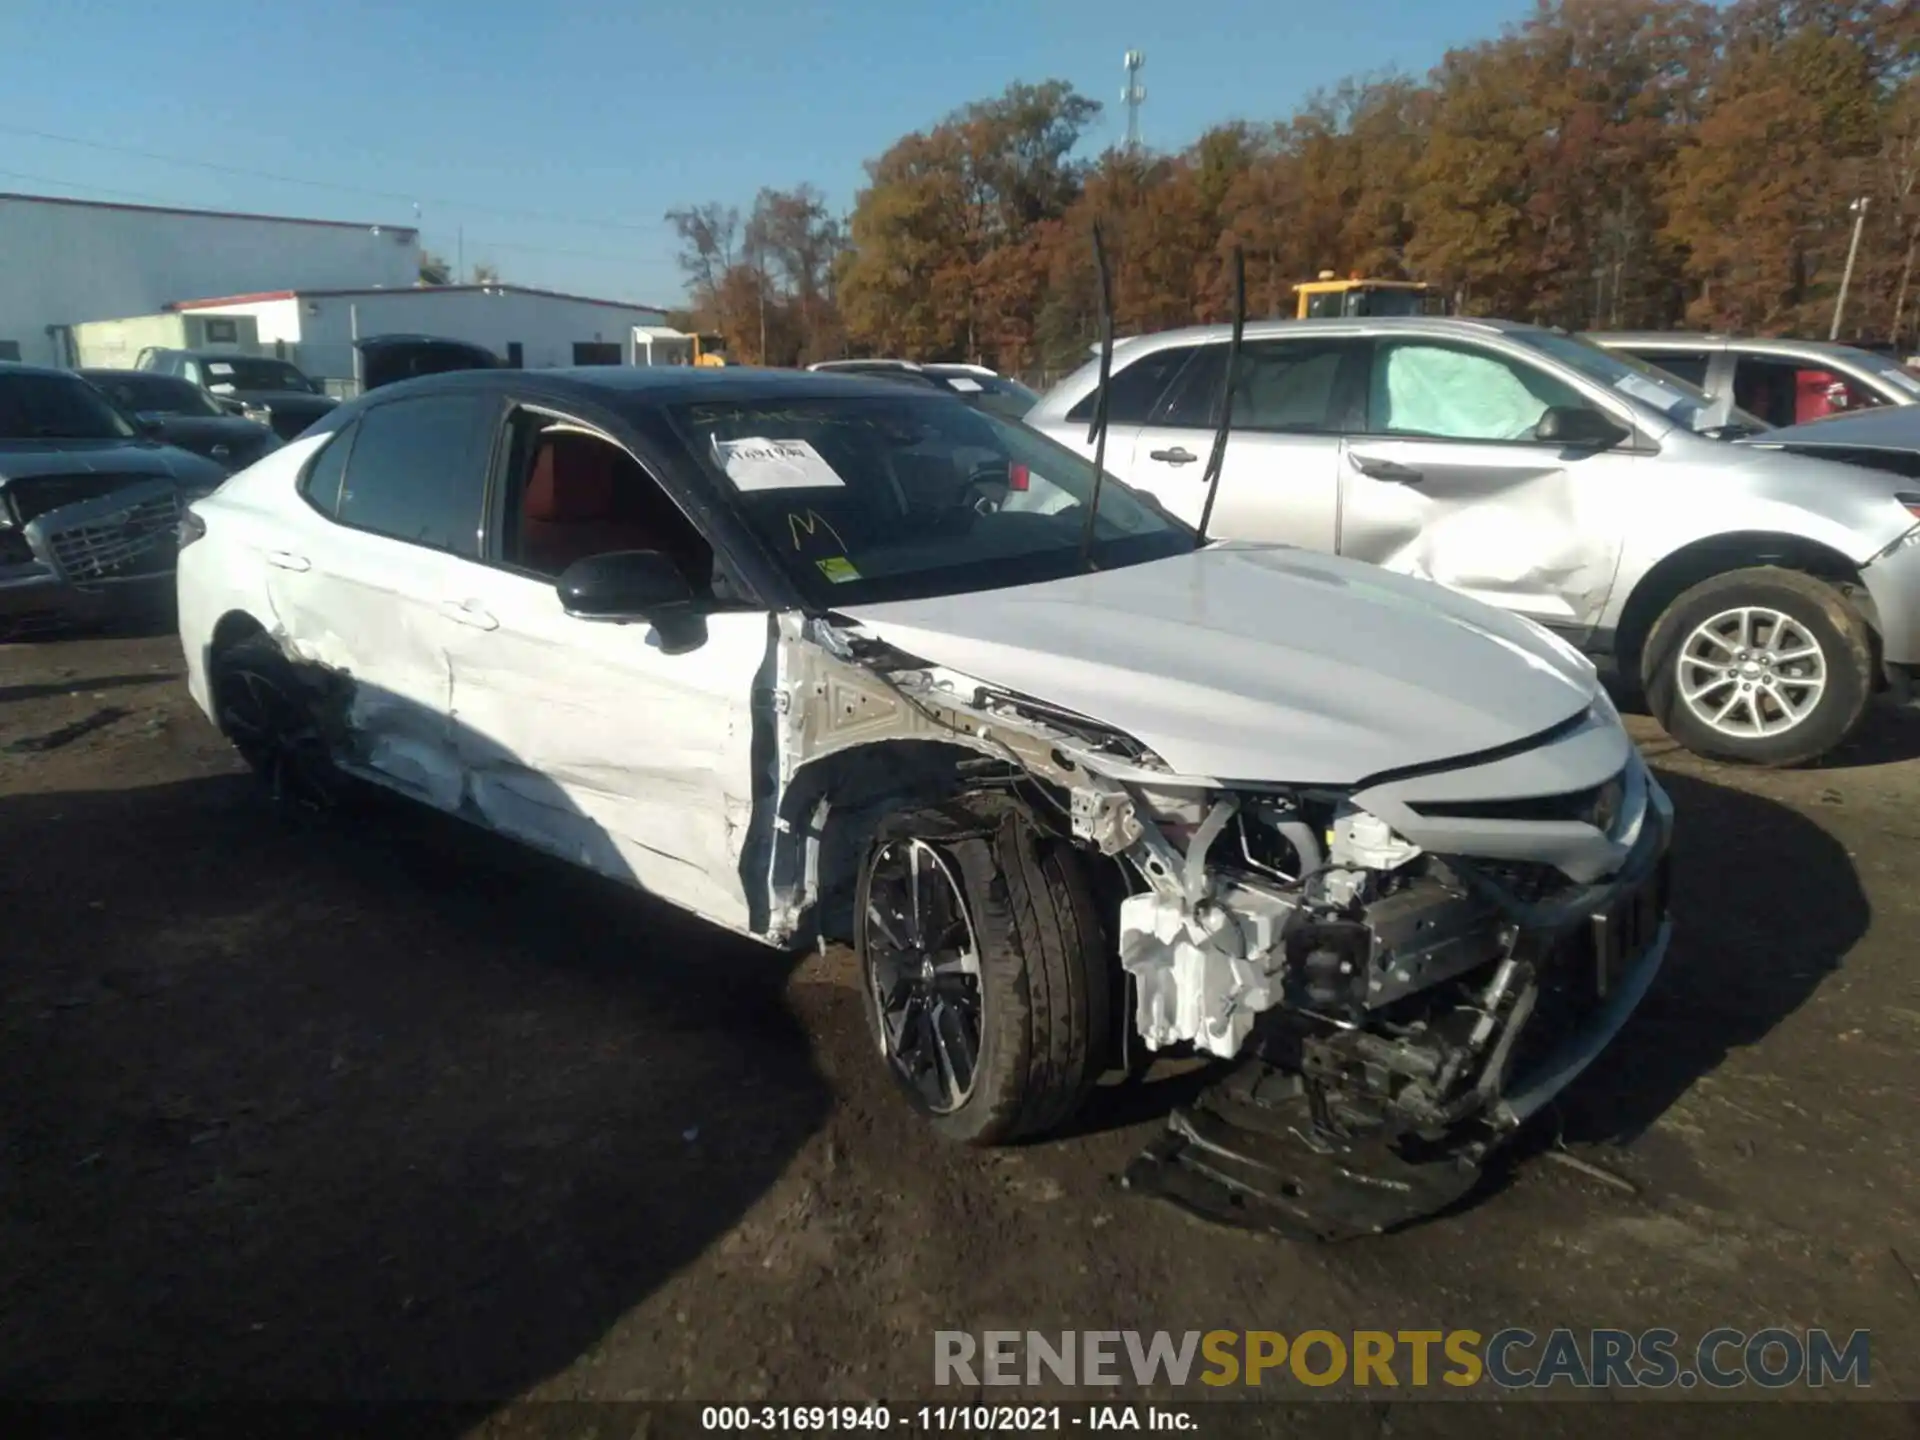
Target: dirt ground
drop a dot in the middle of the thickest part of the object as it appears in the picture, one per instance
(397, 1110)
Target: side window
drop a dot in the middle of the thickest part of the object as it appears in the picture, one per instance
(418, 470)
(1451, 392)
(1791, 392)
(1286, 386)
(1687, 365)
(571, 493)
(321, 484)
(1134, 388)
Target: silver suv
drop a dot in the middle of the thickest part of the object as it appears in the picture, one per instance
(1758, 598)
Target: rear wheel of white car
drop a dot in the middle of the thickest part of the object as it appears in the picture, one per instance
(266, 712)
(1765, 666)
(984, 969)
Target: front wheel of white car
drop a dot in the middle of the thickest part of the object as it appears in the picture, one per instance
(1765, 666)
(983, 965)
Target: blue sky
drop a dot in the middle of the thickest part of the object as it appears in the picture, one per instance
(554, 136)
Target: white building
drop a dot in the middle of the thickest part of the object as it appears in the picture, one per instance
(529, 329)
(67, 261)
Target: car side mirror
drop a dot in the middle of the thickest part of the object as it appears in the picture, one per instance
(634, 585)
(150, 424)
(1578, 427)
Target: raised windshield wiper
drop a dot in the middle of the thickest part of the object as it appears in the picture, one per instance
(1217, 460)
(1097, 431)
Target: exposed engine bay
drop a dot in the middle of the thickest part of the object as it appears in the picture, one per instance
(1402, 971)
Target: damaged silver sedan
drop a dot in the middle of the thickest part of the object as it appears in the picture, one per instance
(819, 657)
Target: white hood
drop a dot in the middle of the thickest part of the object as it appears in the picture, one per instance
(1259, 663)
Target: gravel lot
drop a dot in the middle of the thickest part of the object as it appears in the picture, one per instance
(396, 1110)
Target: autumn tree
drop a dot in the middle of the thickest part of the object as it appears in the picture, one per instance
(1759, 199)
(945, 260)
(1603, 163)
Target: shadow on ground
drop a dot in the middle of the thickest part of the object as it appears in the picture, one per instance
(392, 1109)
(1766, 905)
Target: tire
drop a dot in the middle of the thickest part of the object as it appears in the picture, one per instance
(1680, 659)
(266, 710)
(1042, 977)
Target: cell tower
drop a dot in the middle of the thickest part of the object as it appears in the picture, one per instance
(1133, 95)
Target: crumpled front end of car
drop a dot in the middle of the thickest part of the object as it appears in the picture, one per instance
(1403, 970)
(1419, 936)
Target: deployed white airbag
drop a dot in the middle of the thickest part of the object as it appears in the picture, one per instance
(1430, 390)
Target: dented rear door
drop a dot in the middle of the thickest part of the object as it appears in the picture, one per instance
(1445, 482)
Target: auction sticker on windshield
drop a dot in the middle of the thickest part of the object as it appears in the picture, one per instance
(1652, 392)
(761, 464)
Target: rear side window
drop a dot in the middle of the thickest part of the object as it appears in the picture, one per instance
(1288, 386)
(1136, 388)
(321, 483)
(1687, 365)
(417, 472)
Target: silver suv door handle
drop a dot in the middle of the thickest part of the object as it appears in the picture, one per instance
(287, 560)
(1178, 455)
(1391, 470)
(465, 612)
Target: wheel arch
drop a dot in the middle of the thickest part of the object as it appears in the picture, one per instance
(831, 809)
(230, 630)
(1715, 555)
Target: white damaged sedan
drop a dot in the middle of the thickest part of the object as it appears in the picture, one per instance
(815, 656)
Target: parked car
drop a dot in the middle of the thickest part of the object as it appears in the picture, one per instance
(1886, 439)
(750, 641)
(974, 385)
(88, 505)
(1759, 598)
(179, 412)
(386, 359)
(291, 401)
(1784, 382)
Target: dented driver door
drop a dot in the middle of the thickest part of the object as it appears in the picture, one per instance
(589, 740)
(1446, 483)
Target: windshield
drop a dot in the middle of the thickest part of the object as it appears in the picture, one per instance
(1645, 384)
(156, 394)
(1008, 399)
(241, 372)
(57, 407)
(1395, 302)
(872, 498)
(1901, 377)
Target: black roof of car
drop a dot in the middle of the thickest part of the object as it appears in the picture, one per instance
(654, 384)
(1891, 426)
(14, 367)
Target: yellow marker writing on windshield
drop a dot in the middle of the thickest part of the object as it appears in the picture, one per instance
(811, 524)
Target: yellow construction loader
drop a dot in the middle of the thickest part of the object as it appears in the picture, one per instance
(1326, 298)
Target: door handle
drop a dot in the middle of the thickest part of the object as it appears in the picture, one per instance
(465, 612)
(287, 560)
(1178, 455)
(1390, 470)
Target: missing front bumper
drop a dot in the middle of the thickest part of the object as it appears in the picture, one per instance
(1249, 1154)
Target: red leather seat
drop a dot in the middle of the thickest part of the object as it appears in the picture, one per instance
(573, 506)
(1814, 394)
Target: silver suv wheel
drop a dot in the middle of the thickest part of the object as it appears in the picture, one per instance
(1751, 672)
